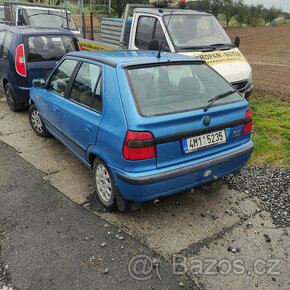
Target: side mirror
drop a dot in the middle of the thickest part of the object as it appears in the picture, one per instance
(38, 83)
(237, 41)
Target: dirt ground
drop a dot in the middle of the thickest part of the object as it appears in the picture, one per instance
(268, 51)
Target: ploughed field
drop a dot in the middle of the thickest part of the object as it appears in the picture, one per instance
(268, 51)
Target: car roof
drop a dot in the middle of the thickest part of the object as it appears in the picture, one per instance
(127, 58)
(168, 11)
(28, 30)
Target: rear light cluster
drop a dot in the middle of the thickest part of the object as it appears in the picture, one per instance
(248, 126)
(20, 64)
(139, 146)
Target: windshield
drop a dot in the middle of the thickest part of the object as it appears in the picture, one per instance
(49, 47)
(189, 31)
(50, 18)
(167, 89)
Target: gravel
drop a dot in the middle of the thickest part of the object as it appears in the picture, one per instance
(270, 184)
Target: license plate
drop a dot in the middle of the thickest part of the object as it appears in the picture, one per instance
(201, 141)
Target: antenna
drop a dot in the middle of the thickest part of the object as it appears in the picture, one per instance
(158, 55)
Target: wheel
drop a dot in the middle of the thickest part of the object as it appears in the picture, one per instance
(13, 104)
(36, 122)
(105, 186)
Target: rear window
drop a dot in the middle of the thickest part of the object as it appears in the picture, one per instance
(167, 89)
(49, 47)
(50, 18)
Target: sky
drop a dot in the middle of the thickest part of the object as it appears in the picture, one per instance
(283, 4)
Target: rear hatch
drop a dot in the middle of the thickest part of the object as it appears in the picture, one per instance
(186, 137)
(44, 51)
(172, 100)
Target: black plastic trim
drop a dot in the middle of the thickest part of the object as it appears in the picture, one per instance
(161, 62)
(155, 178)
(141, 143)
(101, 60)
(185, 134)
(63, 134)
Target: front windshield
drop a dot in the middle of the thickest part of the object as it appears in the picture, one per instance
(51, 18)
(189, 31)
(173, 88)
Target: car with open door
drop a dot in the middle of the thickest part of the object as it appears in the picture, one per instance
(148, 125)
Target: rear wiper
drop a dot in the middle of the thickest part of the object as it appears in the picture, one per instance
(223, 95)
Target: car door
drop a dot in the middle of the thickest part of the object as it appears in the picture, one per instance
(6, 38)
(50, 101)
(82, 110)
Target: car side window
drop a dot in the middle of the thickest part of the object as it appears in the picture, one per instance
(149, 28)
(21, 18)
(61, 76)
(97, 100)
(86, 86)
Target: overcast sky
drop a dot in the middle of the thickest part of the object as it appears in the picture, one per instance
(283, 4)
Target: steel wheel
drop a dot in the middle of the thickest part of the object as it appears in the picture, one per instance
(104, 183)
(36, 122)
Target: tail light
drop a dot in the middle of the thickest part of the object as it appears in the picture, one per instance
(20, 64)
(248, 126)
(139, 146)
(80, 46)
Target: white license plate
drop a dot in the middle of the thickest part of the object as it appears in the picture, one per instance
(201, 141)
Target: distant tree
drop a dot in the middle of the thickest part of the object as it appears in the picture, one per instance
(270, 14)
(241, 13)
(213, 6)
(230, 9)
(254, 14)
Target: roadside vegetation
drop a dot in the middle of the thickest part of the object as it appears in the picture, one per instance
(271, 131)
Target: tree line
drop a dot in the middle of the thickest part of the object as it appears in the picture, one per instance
(243, 13)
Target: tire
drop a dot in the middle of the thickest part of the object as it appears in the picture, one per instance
(36, 122)
(12, 102)
(105, 186)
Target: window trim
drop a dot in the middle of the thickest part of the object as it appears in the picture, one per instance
(69, 82)
(70, 85)
(153, 31)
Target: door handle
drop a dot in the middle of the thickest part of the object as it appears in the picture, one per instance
(55, 109)
(89, 128)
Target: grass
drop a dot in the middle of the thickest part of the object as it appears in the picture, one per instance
(271, 131)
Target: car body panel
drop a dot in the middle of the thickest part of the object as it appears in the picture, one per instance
(172, 170)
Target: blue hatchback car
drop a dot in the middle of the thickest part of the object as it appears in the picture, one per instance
(27, 53)
(147, 126)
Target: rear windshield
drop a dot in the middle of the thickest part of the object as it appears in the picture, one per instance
(49, 47)
(50, 18)
(167, 89)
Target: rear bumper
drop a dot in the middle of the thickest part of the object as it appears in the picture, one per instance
(138, 187)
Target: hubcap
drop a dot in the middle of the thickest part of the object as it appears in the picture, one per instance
(104, 183)
(36, 121)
